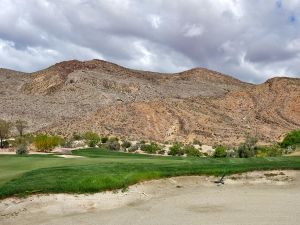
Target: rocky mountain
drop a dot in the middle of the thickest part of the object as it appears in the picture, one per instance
(96, 95)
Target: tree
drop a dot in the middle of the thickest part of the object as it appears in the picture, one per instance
(220, 152)
(4, 131)
(190, 150)
(21, 125)
(176, 149)
(292, 139)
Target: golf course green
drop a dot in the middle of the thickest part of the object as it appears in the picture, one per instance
(99, 170)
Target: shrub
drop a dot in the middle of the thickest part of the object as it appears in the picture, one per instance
(245, 152)
(161, 151)
(126, 144)
(44, 142)
(133, 148)
(104, 139)
(191, 151)
(91, 136)
(197, 142)
(269, 151)
(220, 152)
(113, 145)
(292, 139)
(150, 148)
(176, 149)
(92, 143)
(5, 144)
(22, 150)
(76, 137)
(248, 148)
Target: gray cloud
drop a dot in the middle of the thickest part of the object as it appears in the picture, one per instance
(251, 40)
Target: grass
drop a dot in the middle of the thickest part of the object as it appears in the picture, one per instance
(101, 170)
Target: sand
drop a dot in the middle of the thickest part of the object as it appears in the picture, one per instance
(271, 197)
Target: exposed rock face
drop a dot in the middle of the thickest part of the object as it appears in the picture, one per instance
(103, 97)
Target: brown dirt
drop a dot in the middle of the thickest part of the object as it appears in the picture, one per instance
(106, 98)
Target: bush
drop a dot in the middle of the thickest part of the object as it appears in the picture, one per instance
(76, 137)
(5, 144)
(92, 143)
(126, 144)
(150, 148)
(245, 152)
(104, 139)
(22, 150)
(91, 136)
(44, 142)
(269, 151)
(248, 148)
(133, 148)
(220, 152)
(161, 151)
(197, 142)
(292, 139)
(191, 151)
(176, 149)
(113, 145)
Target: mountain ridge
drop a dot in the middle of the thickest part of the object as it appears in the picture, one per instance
(74, 96)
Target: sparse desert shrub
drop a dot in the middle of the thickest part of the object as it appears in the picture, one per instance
(126, 144)
(292, 139)
(21, 125)
(113, 145)
(248, 148)
(68, 144)
(220, 152)
(44, 142)
(191, 151)
(245, 152)
(5, 144)
(91, 136)
(76, 136)
(113, 139)
(104, 139)
(197, 142)
(269, 151)
(176, 149)
(133, 148)
(162, 151)
(150, 148)
(5, 128)
(22, 150)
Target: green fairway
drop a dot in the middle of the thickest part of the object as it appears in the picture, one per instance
(102, 170)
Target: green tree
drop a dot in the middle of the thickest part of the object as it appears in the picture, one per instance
(4, 131)
(220, 152)
(292, 139)
(150, 148)
(176, 149)
(191, 151)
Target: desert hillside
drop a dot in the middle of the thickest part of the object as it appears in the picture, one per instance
(95, 95)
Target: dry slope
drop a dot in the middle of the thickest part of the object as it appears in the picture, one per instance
(95, 95)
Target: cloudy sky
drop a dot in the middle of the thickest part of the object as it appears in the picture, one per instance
(251, 40)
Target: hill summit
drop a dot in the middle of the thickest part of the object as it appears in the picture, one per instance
(76, 96)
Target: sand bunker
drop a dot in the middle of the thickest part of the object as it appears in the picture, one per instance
(267, 197)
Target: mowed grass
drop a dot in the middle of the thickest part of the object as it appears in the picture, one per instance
(101, 170)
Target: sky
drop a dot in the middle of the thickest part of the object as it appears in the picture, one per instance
(250, 40)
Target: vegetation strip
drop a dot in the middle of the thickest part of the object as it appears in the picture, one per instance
(106, 170)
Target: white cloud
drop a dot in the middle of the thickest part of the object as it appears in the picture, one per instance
(193, 30)
(154, 21)
(248, 39)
